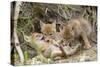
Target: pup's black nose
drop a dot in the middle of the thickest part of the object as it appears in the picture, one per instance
(47, 40)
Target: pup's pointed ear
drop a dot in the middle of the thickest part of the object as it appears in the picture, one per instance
(61, 28)
(54, 21)
(54, 24)
(41, 23)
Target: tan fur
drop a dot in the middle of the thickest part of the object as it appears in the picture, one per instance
(76, 28)
(38, 44)
(48, 29)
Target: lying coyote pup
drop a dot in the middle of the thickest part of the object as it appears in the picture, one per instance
(76, 28)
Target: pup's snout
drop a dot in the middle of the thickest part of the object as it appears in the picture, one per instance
(47, 40)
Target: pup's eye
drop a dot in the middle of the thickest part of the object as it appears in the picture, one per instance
(45, 34)
(50, 34)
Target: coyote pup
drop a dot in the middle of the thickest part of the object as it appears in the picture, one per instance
(76, 28)
(48, 30)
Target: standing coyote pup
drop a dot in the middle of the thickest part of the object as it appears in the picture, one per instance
(76, 28)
